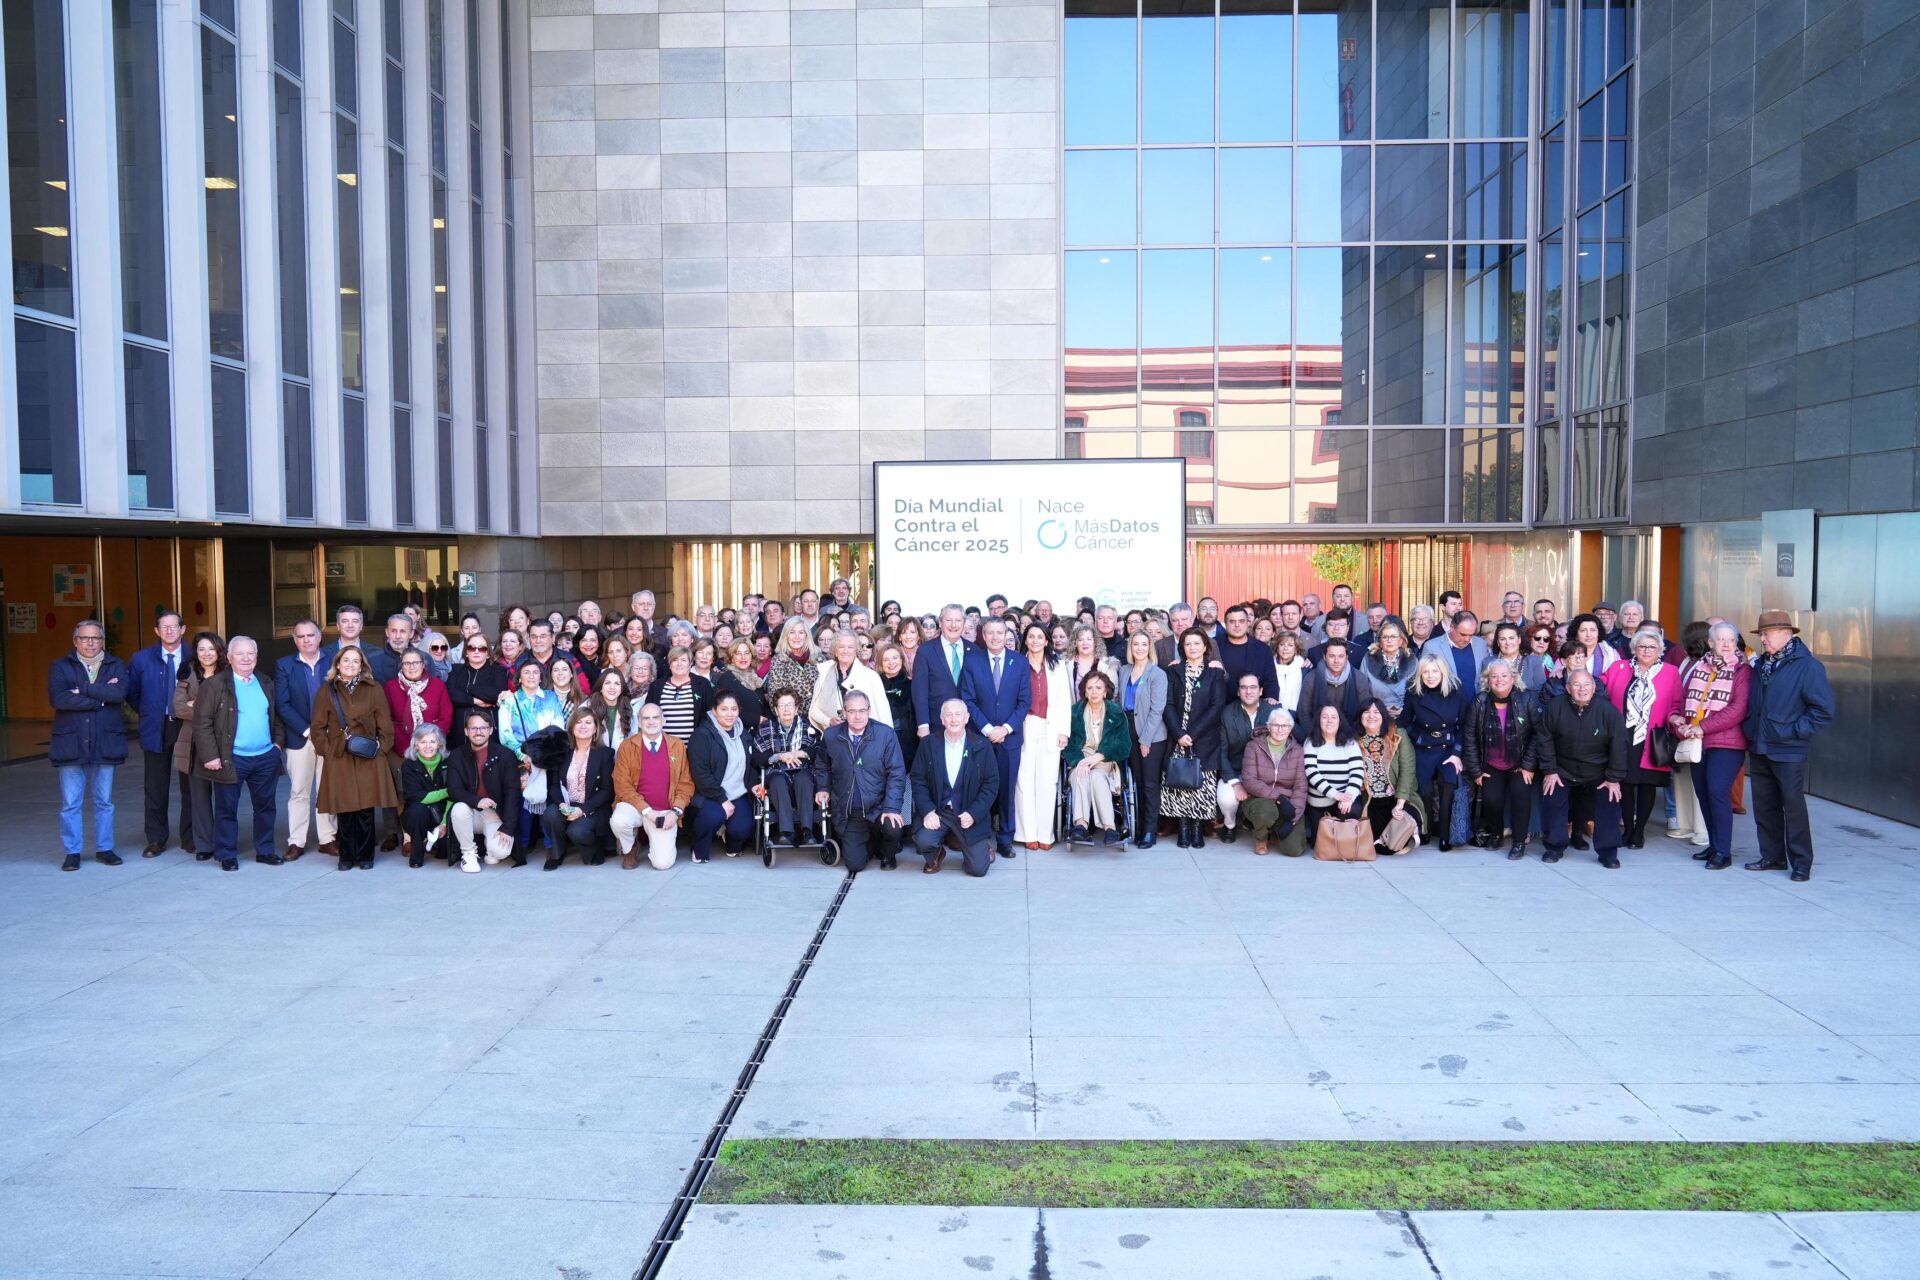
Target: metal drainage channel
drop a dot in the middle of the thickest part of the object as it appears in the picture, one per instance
(669, 1233)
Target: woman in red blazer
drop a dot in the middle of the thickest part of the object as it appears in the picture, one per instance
(1647, 692)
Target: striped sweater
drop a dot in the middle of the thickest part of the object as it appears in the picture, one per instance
(1332, 770)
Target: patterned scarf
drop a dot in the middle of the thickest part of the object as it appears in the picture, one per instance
(1709, 688)
(1639, 705)
(416, 699)
(1377, 763)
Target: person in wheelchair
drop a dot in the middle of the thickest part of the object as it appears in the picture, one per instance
(787, 751)
(1096, 744)
(861, 777)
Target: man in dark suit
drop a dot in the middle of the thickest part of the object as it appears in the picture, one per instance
(955, 782)
(1334, 682)
(997, 686)
(296, 681)
(862, 781)
(150, 680)
(937, 669)
(1166, 650)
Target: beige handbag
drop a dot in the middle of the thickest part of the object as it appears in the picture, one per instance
(1402, 834)
(1343, 840)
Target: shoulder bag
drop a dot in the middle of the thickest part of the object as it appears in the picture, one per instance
(1183, 771)
(358, 744)
(1402, 834)
(1343, 840)
(1689, 749)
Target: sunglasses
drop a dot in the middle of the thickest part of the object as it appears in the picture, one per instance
(477, 648)
(436, 648)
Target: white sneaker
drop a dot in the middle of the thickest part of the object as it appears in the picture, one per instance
(1702, 840)
(469, 864)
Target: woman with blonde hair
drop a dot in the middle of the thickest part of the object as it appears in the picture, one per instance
(793, 665)
(739, 678)
(1434, 720)
(1085, 653)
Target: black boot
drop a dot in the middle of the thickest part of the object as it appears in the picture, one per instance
(1185, 827)
(1198, 840)
(1443, 815)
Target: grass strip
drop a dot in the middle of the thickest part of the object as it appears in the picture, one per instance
(1749, 1177)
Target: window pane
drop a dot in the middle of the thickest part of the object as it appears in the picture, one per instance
(143, 247)
(1547, 506)
(1619, 34)
(1490, 191)
(1613, 381)
(1413, 69)
(1619, 131)
(1487, 367)
(443, 465)
(1586, 335)
(353, 447)
(1177, 191)
(1613, 463)
(1256, 293)
(1411, 187)
(1256, 195)
(36, 68)
(49, 407)
(149, 428)
(402, 467)
(1593, 44)
(290, 212)
(286, 34)
(1176, 73)
(481, 360)
(1590, 184)
(346, 77)
(442, 339)
(1410, 330)
(1336, 50)
(1552, 299)
(1331, 193)
(1489, 475)
(1101, 61)
(219, 114)
(1176, 332)
(296, 445)
(396, 105)
(347, 188)
(230, 453)
(1409, 477)
(483, 465)
(1585, 485)
(1253, 477)
(1101, 339)
(400, 327)
(1330, 477)
(221, 11)
(1554, 106)
(1256, 70)
(1490, 76)
(1100, 197)
(1553, 183)
(1330, 330)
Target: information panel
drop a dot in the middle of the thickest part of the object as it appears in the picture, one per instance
(1046, 530)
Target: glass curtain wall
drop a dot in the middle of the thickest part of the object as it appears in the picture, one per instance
(143, 254)
(508, 283)
(437, 184)
(483, 461)
(39, 199)
(1585, 246)
(226, 315)
(346, 146)
(399, 313)
(290, 228)
(1296, 238)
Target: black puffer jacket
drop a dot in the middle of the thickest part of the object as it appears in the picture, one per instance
(1584, 745)
(1482, 730)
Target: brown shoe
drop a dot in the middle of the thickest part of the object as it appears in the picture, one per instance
(153, 850)
(331, 848)
(628, 861)
(1260, 847)
(391, 843)
(294, 853)
(934, 863)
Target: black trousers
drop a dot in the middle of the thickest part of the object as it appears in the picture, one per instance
(355, 835)
(975, 843)
(159, 783)
(1637, 803)
(790, 792)
(591, 833)
(419, 821)
(1505, 788)
(862, 840)
(1147, 770)
(1779, 806)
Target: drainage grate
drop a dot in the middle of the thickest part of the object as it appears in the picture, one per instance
(669, 1233)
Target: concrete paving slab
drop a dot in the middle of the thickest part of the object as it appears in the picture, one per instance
(143, 1231)
(1793, 1112)
(1296, 1112)
(1752, 1015)
(1608, 1246)
(1470, 1112)
(142, 1149)
(1862, 1246)
(1432, 1059)
(1679, 1058)
(569, 1164)
(799, 1057)
(856, 1242)
(1245, 1244)
(1170, 1061)
(1620, 978)
(931, 1108)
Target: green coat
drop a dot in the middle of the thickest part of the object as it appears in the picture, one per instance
(1116, 739)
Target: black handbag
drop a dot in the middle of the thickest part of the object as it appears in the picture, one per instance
(1183, 771)
(358, 744)
(1661, 746)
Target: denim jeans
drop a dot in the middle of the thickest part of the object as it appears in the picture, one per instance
(77, 783)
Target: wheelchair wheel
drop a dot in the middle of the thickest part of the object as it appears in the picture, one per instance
(767, 856)
(830, 853)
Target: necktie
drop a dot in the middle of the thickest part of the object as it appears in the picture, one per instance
(173, 660)
(953, 661)
(996, 674)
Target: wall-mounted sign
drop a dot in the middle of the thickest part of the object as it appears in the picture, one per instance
(23, 619)
(72, 585)
(469, 582)
(1787, 550)
(336, 569)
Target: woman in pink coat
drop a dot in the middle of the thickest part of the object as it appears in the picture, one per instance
(1713, 708)
(1647, 692)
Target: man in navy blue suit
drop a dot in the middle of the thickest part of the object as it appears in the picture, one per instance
(955, 782)
(938, 668)
(296, 683)
(150, 681)
(997, 687)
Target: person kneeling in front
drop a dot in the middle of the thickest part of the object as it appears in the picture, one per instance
(862, 782)
(1273, 771)
(483, 781)
(956, 779)
(652, 785)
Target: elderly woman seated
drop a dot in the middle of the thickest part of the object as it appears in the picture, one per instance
(1098, 741)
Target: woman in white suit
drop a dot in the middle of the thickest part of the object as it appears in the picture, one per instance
(1036, 793)
(839, 675)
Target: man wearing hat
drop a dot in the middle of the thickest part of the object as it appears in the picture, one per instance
(1610, 633)
(1791, 701)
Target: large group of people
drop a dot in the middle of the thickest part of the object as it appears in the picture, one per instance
(981, 731)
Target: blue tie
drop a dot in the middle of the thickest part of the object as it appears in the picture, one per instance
(953, 660)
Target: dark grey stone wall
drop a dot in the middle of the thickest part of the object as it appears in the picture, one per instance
(1777, 330)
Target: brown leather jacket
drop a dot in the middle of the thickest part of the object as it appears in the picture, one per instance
(626, 772)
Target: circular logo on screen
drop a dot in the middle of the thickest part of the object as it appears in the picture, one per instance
(1052, 534)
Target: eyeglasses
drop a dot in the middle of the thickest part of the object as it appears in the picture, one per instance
(476, 648)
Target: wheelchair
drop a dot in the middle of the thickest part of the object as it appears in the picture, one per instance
(1125, 806)
(763, 833)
